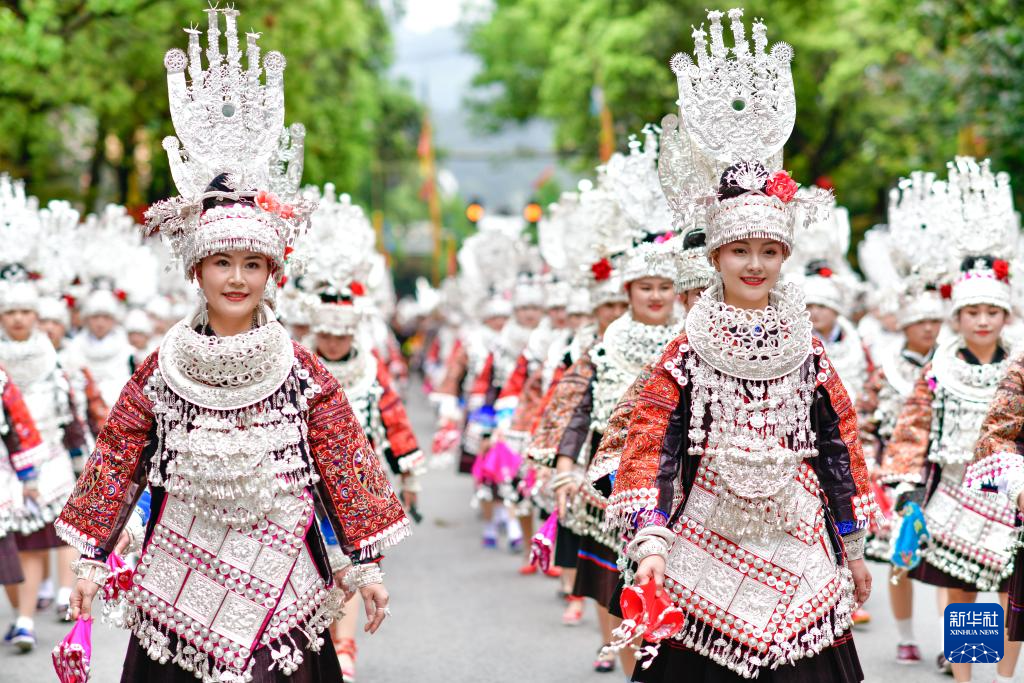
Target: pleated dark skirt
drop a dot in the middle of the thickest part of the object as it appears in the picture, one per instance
(1015, 607)
(10, 565)
(933, 576)
(317, 667)
(596, 572)
(675, 663)
(567, 547)
(44, 539)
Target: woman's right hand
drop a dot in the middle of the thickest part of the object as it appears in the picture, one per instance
(652, 568)
(563, 495)
(82, 596)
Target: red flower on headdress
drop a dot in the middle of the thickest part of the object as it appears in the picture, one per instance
(1002, 269)
(825, 272)
(268, 201)
(946, 291)
(121, 295)
(286, 211)
(33, 276)
(287, 252)
(782, 186)
(602, 270)
(283, 281)
(357, 288)
(69, 301)
(664, 237)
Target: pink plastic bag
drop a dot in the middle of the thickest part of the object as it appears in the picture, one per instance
(72, 655)
(542, 545)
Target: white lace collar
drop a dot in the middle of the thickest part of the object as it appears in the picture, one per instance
(356, 374)
(630, 345)
(28, 361)
(752, 344)
(966, 380)
(226, 373)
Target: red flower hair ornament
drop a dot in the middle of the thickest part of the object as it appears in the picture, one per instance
(781, 186)
(602, 270)
(1001, 269)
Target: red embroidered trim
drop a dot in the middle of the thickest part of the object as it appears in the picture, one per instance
(394, 416)
(553, 422)
(94, 514)
(849, 433)
(1004, 424)
(641, 456)
(20, 418)
(366, 514)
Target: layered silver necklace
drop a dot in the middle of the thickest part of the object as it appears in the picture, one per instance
(750, 372)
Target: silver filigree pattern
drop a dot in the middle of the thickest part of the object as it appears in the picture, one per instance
(757, 344)
(739, 108)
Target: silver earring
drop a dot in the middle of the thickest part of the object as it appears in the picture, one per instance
(204, 313)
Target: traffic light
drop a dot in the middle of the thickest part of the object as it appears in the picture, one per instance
(532, 212)
(474, 212)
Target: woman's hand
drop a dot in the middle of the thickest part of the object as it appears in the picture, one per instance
(82, 596)
(339, 581)
(652, 568)
(122, 543)
(861, 581)
(563, 495)
(375, 602)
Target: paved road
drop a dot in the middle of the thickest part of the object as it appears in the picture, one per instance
(463, 614)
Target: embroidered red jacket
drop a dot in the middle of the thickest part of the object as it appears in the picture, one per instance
(356, 494)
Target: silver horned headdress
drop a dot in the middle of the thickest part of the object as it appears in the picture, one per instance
(737, 109)
(230, 124)
(986, 233)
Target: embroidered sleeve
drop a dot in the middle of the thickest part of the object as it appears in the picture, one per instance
(105, 494)
(840, 465)
(867, 402)
(24, 445)
(577, 430)
(358, 498)
(906, 452)
(401, 439)
(478, 393)
(508, 398)
(1003, 429)
(609, 452)
(75, 435)
(454, 370)
(553, 421)
(636, 491)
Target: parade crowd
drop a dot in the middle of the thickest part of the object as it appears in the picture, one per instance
(681, 402)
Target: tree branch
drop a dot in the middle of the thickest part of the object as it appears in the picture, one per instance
(15, 7)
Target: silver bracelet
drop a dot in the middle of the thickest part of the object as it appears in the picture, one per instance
(855, 545)
(1014, 487)
(361, 576)
(135, 530)
(91, 570)
(564, 479)
(338, 560)
(651, 540)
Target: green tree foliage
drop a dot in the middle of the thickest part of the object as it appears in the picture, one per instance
(83, 96)
(883, 87)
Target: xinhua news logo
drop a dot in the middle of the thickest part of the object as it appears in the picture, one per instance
(974, 633)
